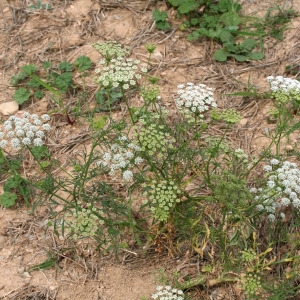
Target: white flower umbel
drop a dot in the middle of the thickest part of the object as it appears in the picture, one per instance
(195, 98)
(119, 72)
(282, 188)
(121, 158)
(24, 130)
(167, 293)
(284, 89)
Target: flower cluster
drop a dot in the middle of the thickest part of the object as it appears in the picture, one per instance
(84, 222)
(163, 196)
(168, 293)
(121, 157)
(195, 98)
(230, 116)
(251, 284)
(241, 155)
(154, 140)
(111, 49)
(282, 188)
(24, 130)
(284, 89)
(120, 72)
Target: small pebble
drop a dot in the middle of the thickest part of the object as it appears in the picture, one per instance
(9, 108)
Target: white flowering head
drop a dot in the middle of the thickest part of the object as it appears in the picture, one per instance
(119, 72)
(284, 89)
(121, 158)
(24, 130)
(195, 98)
(282, 188)
(167, 293)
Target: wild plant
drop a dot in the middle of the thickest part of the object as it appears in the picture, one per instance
(19, 132)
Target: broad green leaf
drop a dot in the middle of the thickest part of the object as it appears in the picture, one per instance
(221, 55)
(39, 152)
(249, 44)
(162, 25)
(226, 36)
(159, 15)
(46, 65)
(65, 66)
(63, 81)
(8, 199)
(21, 95)
(240, 58)
(256, 55)
(29, 69)
(174, 2)
(230, 18)
(39, 94)
(83, 63)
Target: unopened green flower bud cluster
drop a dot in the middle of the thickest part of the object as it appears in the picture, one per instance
(163, 196)
(241, 155)
(150, 94)
(251, 284)
(230, 116)
(216, 145)
(83, 221)
(154, 140)
(249, 255)
(111, 49)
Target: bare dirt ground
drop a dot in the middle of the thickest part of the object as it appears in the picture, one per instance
(67, 32)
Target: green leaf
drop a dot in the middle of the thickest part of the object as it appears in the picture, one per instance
(193, 36)
(240, 58)
(39, 94)
(29, 69)
(162, 25)
(45, 164)
(65, 66)
(221, 55)
(226, 36)
(255, 55)
(18, 77)
(39, 152)
(21, 95)
(34, 84)
(83, 63)
(46, 65)
(63, 81)
(48, 263)
(159, 15)
(99, 122)
(230, 18)
(194, 21)
(249, 44)
(8, 199)
(175, 2)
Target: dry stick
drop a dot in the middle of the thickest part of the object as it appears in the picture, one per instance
(12, 291)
